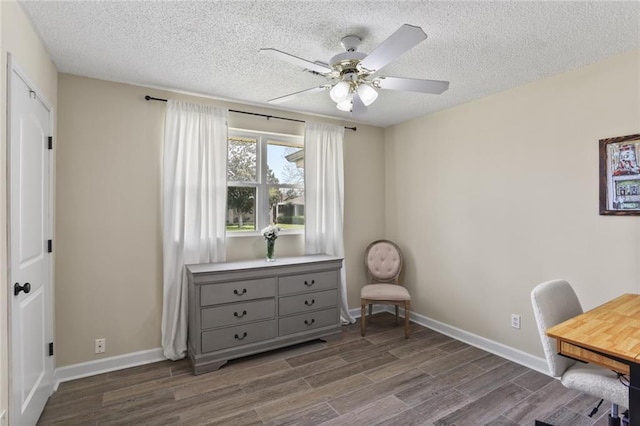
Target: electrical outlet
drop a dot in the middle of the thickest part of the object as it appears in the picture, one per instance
(101, 345)
(515, 321)
(3, 418)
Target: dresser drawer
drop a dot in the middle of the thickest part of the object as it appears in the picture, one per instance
(237, 313)
(307, 282)
(308, 321)
(236, 291)
(307, 302)
(239, 335)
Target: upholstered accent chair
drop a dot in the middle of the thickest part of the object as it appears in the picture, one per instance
(383, 261)
(555, 302)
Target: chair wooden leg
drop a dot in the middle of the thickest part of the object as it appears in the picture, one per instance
(397, 309)
(363, 317)
(406, 319)
(370, 309)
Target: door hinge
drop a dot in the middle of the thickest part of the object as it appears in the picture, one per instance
(50, 142)
(50, 348)
(49, 246)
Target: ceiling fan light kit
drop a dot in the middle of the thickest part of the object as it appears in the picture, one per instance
(340, 91)
(367, 93)
(346, 104)
(353, 82)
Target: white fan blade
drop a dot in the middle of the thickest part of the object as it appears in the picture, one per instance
(291, 96)
(358, 108)
(411, 84)
(399, 42)
(274, 53)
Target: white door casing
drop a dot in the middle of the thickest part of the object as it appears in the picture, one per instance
(30, 313)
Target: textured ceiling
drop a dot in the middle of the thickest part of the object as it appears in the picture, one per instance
(211, 48)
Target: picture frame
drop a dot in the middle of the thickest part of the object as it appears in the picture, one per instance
(620, 175)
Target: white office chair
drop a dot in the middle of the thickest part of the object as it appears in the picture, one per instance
(555, 302)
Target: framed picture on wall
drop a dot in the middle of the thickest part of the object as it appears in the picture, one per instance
(620, 175)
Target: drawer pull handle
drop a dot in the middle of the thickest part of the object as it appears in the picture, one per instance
(309, 322)
(244, 290)
(306, 302)
(241, 338)
(235, 314)
(309, 284)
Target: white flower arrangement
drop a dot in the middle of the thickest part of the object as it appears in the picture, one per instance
(270, 232)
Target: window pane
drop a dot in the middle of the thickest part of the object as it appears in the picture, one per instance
(286, 162)
(287, 207)
(241, 208)
(242, 164)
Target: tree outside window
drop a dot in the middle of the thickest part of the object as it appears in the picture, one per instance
(265, 181)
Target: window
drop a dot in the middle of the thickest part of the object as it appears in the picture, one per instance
(265, 181)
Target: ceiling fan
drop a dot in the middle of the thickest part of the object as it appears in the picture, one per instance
(353, 81)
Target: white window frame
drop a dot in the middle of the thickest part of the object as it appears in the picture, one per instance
(262, 187)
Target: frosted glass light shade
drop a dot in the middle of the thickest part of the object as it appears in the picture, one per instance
(367, 94)
(340, 92)
(345, 105)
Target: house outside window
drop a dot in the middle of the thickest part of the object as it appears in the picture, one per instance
(265, 182)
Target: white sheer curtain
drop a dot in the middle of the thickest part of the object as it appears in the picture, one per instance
(194, 195)
(324, 196)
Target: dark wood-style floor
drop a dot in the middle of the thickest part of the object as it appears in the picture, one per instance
(380, 379)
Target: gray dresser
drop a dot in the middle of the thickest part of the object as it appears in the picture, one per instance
(242, 308)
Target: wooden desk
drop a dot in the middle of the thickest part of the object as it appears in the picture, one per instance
(609, 336)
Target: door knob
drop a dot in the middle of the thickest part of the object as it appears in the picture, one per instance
(17, 288)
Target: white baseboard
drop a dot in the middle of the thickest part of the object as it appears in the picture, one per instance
(106, 365)
(504, 351)
(120, 362)
(496, 348)
(356, 312)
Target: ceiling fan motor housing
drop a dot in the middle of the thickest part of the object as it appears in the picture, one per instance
(344, 64)
(346, 60)
(345, 67)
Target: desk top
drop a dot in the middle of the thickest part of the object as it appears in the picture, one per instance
(612, 328)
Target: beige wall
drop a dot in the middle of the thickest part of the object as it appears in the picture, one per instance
(109, 252)
(490, 198)
(18, 38)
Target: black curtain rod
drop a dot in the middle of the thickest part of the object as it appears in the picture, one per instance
(151, 98)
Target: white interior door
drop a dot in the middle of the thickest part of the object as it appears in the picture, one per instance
(31, 330)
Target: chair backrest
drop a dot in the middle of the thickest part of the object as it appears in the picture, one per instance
(383, 260)
(554, 302)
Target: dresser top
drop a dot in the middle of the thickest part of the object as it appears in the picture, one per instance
(203, 268)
